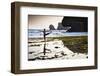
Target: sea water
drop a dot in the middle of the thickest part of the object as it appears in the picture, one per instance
(35, 33)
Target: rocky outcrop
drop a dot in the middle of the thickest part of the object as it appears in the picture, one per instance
(61, 27)
(51, 27)
(77, 24)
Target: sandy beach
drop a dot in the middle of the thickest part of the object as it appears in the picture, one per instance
(54, 48)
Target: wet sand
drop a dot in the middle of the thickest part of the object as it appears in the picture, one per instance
(54, 48)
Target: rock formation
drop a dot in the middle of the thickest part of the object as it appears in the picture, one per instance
(51, 27)
(77, 24)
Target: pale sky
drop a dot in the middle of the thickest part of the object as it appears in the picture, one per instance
(42, 21)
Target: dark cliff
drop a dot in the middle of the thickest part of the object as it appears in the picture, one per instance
(77, 24)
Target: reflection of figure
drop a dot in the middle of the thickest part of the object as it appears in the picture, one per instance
(44, 49)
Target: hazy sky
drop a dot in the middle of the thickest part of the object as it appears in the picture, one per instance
(41, 21)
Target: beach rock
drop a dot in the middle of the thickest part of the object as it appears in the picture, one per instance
(51, 27)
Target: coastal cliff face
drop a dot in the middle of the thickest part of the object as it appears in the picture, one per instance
(77, 24)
